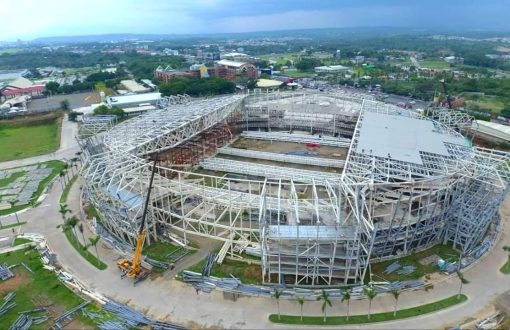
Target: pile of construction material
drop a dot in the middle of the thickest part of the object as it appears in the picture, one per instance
(231, 284)
(209, 263)
(392, 268)
(406, 270)
(130, 318)
(401, 270)
(8, 304)
(68, 315)
(5, 272)
(25, 321)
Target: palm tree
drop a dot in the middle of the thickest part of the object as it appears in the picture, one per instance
(80, 228)
(61, 175)
(71, 223)
(301, 301)
(71, 167)
(64, 210)
(463, 280)
(370, 293)
(277, 294)
(396, 293)
(79, 155)
(66, 172)
(74, 161)
(346, 296)
(93, 242)
(324, 296)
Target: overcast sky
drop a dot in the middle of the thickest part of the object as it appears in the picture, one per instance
(27, 19)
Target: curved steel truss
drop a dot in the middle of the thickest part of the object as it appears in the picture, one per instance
(308, 226)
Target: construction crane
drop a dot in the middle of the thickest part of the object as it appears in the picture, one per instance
(133, 268)
(446, 93)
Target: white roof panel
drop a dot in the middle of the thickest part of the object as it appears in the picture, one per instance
(402, 138)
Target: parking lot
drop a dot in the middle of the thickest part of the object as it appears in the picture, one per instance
(52, 103)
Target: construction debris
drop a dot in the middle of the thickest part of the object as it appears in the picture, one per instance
(24, 322)
(391, 268)
(68, 315)
(5, 272)
(26, 267)
(113, 325)
(406, 270)
(231, 284)
(131, 318)
(209, 263)
(7, 305)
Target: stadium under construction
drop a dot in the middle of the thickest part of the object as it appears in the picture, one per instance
(319, 185)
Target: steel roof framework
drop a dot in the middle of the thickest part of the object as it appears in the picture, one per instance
(387, 207)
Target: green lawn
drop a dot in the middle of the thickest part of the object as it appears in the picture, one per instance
(443, 251)
(488, 103)
(377, 317)
(92, 259)
(40, 288)
(505, 269)
(13, 225)
(246, 272)
(434, 64)
(20, 240)
(57, 166)
(160, 250)
(299, 74)
(65, 193)
(6, 181)
(91, 212)
(19, 141)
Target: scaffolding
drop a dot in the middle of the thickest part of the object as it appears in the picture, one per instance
(311, 227)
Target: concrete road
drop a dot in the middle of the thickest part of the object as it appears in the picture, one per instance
(67, 150)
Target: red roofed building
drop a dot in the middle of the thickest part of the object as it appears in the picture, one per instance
(21, 86)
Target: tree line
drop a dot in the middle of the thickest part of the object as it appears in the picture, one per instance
(197, 87)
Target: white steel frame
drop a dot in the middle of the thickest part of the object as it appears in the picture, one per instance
(311, 227)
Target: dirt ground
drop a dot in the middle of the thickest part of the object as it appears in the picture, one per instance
(285, 147)
(20, 278)
(77, 324)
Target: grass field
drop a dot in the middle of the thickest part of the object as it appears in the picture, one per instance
(16, 224)
(299, 74)
(377, 317)
(434, 64)
(92, 259)
(160, 250)
(65, 193)
(505, 269)
(20, 139)
(245, 272)
(6, 181)
(443, 251)
(492, 104)
(57, 166)
(42, 288)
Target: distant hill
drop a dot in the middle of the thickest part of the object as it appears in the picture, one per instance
(327, 33)
(311, 33)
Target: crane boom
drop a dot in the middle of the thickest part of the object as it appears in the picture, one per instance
(134, 268)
